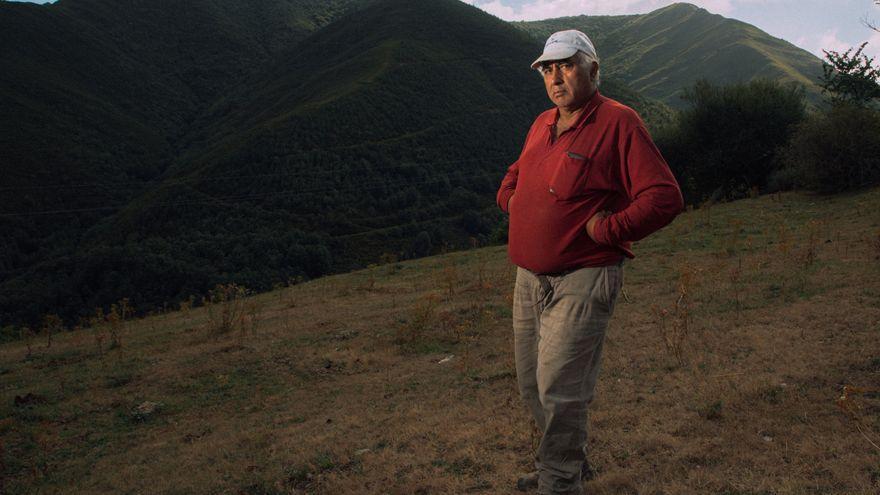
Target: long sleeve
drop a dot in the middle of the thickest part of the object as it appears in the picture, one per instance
(508, 186)
(655, 197)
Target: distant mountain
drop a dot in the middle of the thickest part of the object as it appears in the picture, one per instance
(660, 53)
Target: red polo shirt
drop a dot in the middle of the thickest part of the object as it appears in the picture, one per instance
(606, 161)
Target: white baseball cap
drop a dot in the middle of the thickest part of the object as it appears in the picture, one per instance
(563, 44)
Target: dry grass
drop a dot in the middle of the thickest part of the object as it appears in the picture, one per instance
(337, 386)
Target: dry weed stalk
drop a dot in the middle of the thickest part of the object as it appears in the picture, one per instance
(116, 319)
(423, 318)
(853, 410)
(52, 324)
(735, 276)
(707, 206)
(674, 324)
(252, 310)
(876, 245)
(809, 256)
(371, 278)
(449, 277)
(97, 323)
(731, 240)
(225, 305)
(28, 336)
(186, 307)
(482, 278)
(783, 245)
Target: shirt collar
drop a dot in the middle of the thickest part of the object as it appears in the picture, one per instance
(589, 108)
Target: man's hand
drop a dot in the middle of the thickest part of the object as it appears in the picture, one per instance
(591, 223)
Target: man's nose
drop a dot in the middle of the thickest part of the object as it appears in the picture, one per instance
(555, 74)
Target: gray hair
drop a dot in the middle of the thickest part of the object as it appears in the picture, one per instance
(586, 63)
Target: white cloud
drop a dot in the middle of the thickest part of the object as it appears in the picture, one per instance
(546, 9)
(830, 40)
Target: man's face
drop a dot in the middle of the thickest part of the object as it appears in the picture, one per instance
(568, 84)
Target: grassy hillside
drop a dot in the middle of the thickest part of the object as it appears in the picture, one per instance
(660, 53)
(724, 371)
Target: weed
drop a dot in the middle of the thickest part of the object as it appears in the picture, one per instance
(674, 324)
(252, 311)
(851, 407)
(735, 276)
(371, 278)
(186, 306)
(809, 256)
(449, 277)
(28, 336)
(423, 318)
(482, 279)
(876, 245)
(116, 318)
(52, 324)
(707, 207)
(730, 243)
(712, 411)
(97, 324)
(225, 305)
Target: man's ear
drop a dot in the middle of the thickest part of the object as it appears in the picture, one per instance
(594, 70)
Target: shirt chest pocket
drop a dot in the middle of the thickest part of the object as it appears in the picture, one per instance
(569, 175)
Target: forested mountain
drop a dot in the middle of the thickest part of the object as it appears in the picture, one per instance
(94, 95)
(660, 53)
(152, 149)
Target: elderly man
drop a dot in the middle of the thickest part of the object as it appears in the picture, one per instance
(588, 182)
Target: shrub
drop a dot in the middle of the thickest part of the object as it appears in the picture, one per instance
(726, 143)
(834, 151)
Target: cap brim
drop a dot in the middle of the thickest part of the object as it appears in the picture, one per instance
(555, 53)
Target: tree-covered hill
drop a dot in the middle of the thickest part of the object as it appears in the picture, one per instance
(96, 93)
(660, 53)
(152, 149)
(384, 133)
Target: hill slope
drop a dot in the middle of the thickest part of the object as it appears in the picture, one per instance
(390, 124)
(96, 93)
(336, 385)
(660, 53)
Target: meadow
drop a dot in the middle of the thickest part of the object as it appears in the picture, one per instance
(743, 358)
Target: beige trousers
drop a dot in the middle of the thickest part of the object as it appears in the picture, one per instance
(559, 327)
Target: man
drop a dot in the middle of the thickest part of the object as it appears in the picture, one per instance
(588, 182)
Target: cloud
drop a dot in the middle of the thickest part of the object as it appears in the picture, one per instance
(830, 40)
(532, 10)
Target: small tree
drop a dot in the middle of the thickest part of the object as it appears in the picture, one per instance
(726, 142)
(836, 150)
(850, 77)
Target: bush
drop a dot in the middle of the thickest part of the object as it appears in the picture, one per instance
(834, 151)
(727, 142)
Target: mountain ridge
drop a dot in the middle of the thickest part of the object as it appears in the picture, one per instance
(638, 49)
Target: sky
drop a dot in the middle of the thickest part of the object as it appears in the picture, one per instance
(810, 24)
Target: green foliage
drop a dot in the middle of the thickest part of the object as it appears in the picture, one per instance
(835, 151)
(727, 142)
(850, 77)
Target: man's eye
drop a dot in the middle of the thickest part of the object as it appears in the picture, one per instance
(566, 65)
